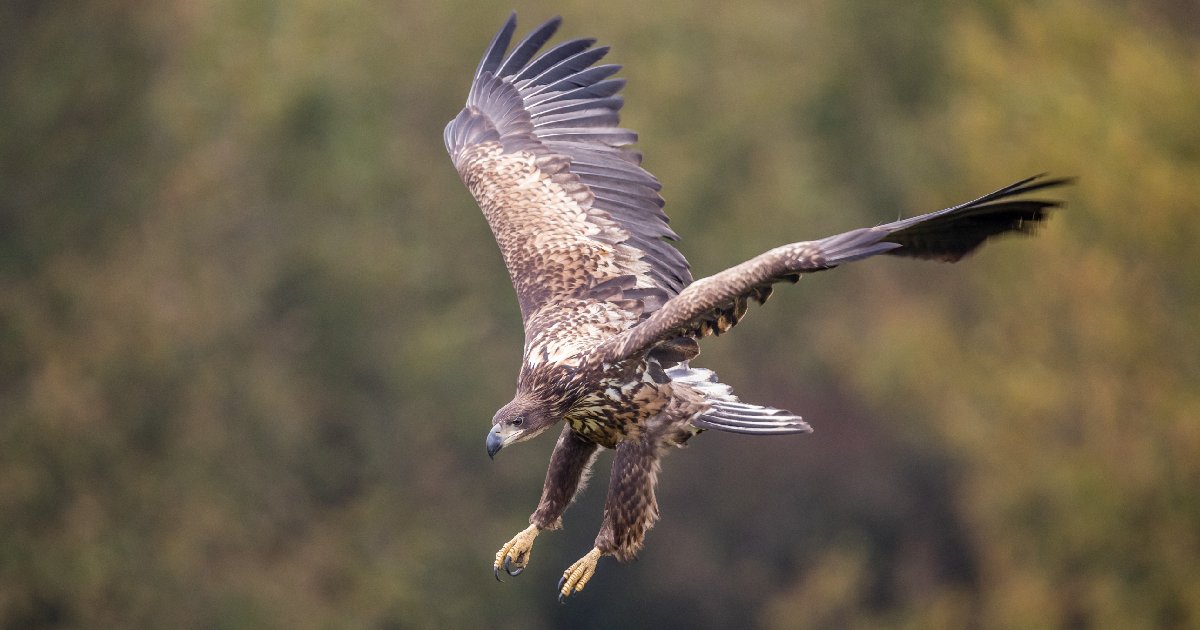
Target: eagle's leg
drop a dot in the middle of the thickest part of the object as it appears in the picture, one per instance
(572, 458)
(629, 512)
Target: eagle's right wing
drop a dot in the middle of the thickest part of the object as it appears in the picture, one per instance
(575, 215)
(714, 304)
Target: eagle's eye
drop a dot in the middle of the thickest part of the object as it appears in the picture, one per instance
(518, 421)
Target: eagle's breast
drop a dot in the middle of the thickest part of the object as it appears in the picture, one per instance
(619, 408)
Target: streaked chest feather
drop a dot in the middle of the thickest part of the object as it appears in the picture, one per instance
(616, 411)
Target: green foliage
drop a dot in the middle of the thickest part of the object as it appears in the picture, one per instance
(252, 327)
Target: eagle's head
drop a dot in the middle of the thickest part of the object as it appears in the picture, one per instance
(522, 419)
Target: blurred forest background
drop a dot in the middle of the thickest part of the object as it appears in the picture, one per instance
(253, 328)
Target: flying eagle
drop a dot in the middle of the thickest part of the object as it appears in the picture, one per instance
(612, 316)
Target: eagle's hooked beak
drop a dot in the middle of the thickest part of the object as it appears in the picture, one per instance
(494, 443)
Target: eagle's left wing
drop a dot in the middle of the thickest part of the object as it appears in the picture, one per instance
(573, 212)
(714, 304)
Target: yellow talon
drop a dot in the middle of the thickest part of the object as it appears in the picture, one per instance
(577, 575)
(514, 555)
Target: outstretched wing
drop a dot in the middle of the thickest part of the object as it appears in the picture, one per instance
(573, 212)
(714, 304)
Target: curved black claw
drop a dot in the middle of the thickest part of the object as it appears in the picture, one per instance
(510, 570)
(561, 599)
(496, 572)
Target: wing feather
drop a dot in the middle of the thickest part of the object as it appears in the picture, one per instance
(528, 47)
(612, 103)
(571, 73)
(601, 89)
(552, 57)
(580, 118)
(578, 220)
(540, 147)
(586, 168)
(612, 136)
(714, 304)
(495, 50)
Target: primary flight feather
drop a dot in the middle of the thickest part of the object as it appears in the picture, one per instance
(612, 315)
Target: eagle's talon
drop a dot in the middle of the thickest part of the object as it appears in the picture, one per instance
(577, 575)
(496, 572)
(514, 555)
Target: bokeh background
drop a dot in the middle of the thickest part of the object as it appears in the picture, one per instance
(253, 328)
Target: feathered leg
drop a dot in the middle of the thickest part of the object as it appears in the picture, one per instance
(569, 465)
(629, 512)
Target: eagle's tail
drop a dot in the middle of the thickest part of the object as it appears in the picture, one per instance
(727, 413)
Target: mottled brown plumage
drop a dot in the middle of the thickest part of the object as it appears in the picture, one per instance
(612, 317)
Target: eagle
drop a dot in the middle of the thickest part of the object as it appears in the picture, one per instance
(611, 313)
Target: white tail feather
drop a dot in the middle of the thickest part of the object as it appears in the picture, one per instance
(727, 413)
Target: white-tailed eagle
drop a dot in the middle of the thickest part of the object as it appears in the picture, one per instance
(612, 315)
